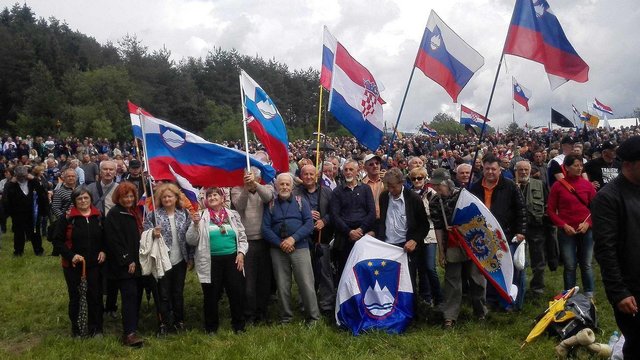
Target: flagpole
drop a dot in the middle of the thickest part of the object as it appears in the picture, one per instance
(404, 98)
(486, 116)
(244, 123)
(318, 134)
(146, 164)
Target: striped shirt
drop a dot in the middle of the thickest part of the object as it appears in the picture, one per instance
(61, 201)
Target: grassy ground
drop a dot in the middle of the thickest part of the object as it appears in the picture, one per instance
(34, 324)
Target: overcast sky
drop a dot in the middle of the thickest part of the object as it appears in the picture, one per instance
(384, 36)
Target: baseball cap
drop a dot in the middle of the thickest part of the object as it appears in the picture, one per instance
(135, 164)
(439, 176)
(372, 156)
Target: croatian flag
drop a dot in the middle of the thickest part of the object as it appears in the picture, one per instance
(135, 119)
(470, 117)
(202, 163)
(535, 34)
(266, 122)
(482, 238)
(187, 189)
(355, 99)
(521, 94)
(427, 130)
(445, 58)
(329, 45)
(602, 107)
(375, 289)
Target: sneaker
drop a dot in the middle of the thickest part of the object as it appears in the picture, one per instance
(132, 340)
(448, 324)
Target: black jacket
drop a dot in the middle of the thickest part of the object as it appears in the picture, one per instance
(615, 212)
(122, 239)
(325, 198)
(86, 236)
(507, 205)
(417, 221)
(20, 205)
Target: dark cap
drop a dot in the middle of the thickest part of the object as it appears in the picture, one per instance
(135, 164)
(629, 150)
(607, 145)
(439, 176)
(567, 140)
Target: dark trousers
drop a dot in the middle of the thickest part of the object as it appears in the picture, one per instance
(630, 327)
(345, 244)
(224, 275)
(428, 279)
(171, 294)
(110, 289)
(323, 275)
(258, 272)
(24, 229)
(537, 253)
(94, 297)
(130, 304)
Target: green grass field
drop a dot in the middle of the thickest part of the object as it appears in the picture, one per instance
(34, 325)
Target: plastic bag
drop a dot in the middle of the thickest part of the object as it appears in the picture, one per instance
(519, 256)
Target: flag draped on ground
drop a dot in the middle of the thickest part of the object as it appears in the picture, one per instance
(375, 289)
(265, 121)
(535, 34)
(200, 162)
(521, 94)
(602, 107)
(559, 119)
(469, 117)
(482, 238)
(355, 99)
(329, 44)
(445, 58)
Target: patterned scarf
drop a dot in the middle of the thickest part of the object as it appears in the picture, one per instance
(219, 217)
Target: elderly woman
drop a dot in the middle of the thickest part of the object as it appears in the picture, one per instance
(78, 238)
(451, 256)
(122, 228)
(221, 246)
(568, 209)
(171, 221)
(428, 275)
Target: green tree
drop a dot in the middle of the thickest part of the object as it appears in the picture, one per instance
(513, 129)
(445, 124)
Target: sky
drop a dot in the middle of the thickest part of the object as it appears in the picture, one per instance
(384, 36)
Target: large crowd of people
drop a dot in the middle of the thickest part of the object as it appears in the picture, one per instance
(572, 196)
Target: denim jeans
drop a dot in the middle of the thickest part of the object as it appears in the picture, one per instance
(577, 250)
(428, 278)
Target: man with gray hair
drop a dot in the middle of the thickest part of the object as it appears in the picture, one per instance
(21, 196)
(463, 175)
(102, 190)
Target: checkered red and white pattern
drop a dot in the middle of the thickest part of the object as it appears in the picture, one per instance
(368, 103)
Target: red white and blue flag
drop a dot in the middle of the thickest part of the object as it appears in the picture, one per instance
(445, 58)
(484, 241)
(470, 117)
(521, 94)
(329, 44)
(265, 121)
(135, 119)
(535, 34)
(355, 99)
(425, 129)
(187, 189)
(200, 162)
(602, 107)
(576, 111)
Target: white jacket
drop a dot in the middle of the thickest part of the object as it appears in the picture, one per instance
(154, 255)
(198, 236)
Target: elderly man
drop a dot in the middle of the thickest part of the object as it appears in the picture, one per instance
(328, 175)
(75, 165)
(20, 197)
(353, 212)
(287, 224)
(615, 211)
(318, 198)
(91, 170)
(403, 219)
(535, 197)
(373, 179)
(102, 190)
(249, 200)
(463, 175)
(502, 197)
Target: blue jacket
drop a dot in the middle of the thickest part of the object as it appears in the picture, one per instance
(295, 213)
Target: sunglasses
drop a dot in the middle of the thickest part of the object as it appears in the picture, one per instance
(417, 178)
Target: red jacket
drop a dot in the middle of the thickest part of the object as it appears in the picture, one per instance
(563, 206)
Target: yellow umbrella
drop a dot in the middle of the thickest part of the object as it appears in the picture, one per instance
(548, 315)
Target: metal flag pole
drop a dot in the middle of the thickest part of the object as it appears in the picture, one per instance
(244, 123)
(143, 119)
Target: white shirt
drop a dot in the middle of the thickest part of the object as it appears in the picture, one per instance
(24, 186)
(396, 220)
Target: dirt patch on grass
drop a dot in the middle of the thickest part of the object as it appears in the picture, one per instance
(17, 347)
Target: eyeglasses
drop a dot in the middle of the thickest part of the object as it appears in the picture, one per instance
(417, 178)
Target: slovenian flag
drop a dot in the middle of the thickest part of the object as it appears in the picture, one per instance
(329, 44)
(470, 117)
(375, 291)
(535, 34)
(187, 189)
(135, 119)
(355, 99)
(602, 107)
(445, 58)
(521, 94)
(484, 241)
(202, 163)
(265, 121)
